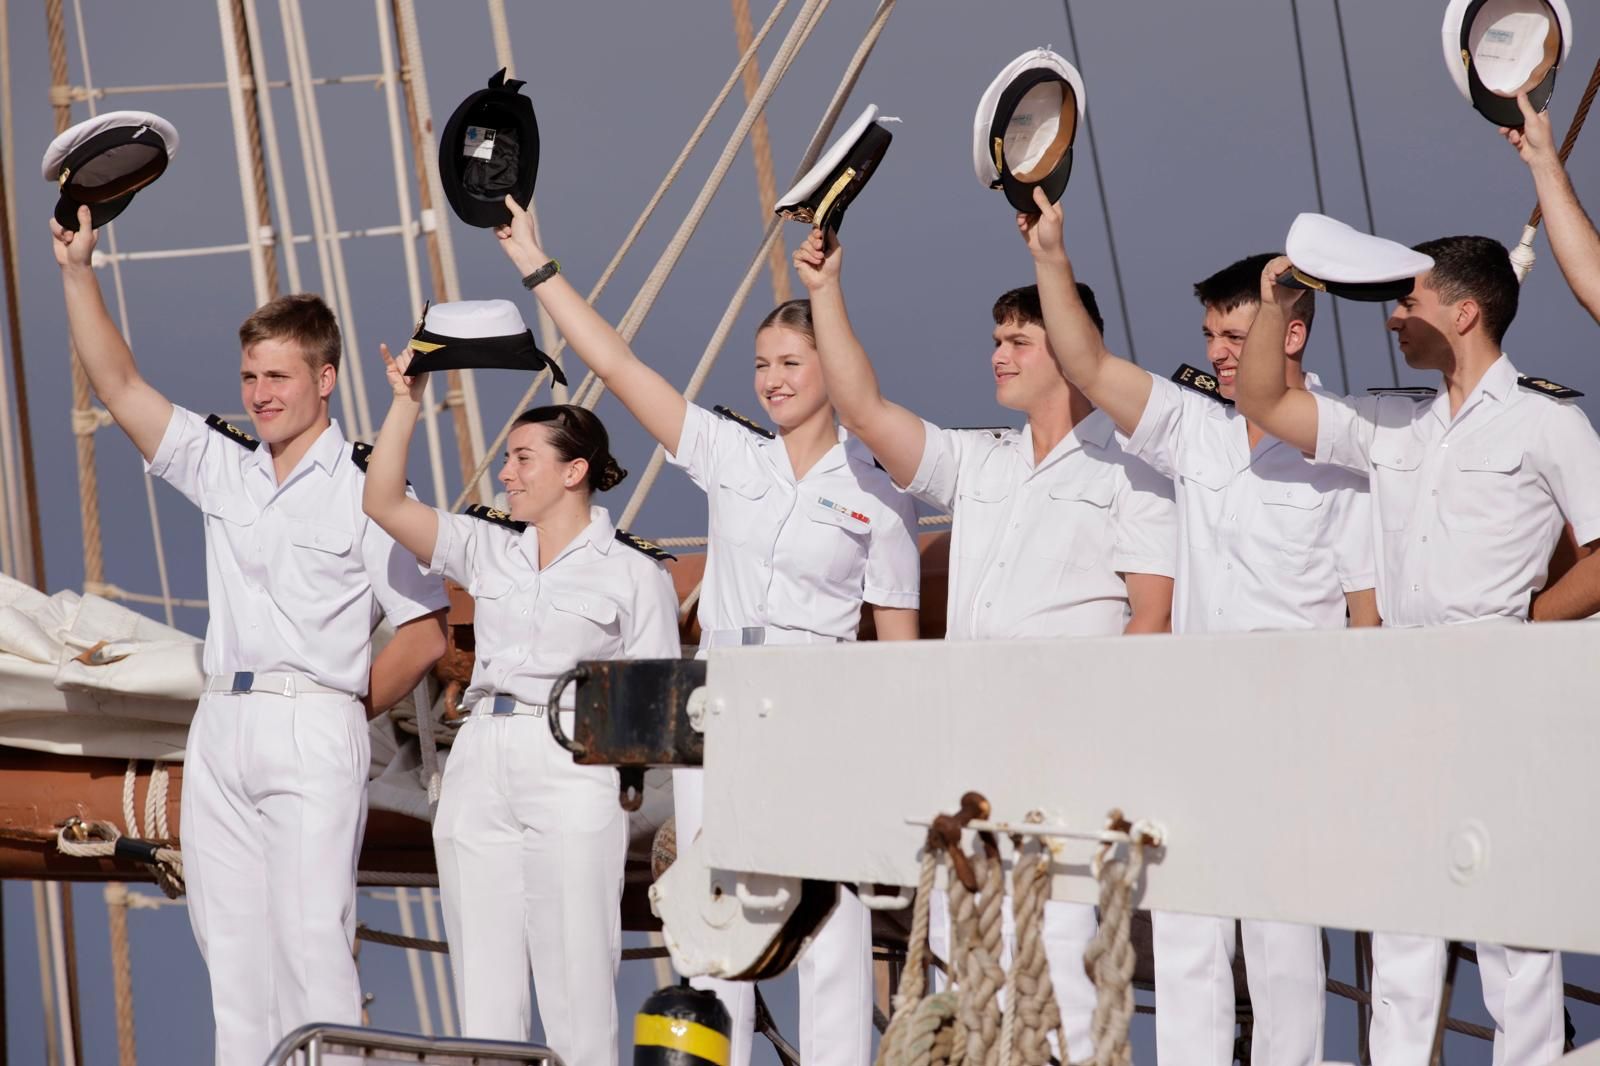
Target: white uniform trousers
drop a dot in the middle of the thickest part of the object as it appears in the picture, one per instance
(1068, 929)
(1196, 1011)
(1521, 989)
(836, 989)
(531, 851)
(274, 803)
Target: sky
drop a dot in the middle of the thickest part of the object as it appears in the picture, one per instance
(1200, 130)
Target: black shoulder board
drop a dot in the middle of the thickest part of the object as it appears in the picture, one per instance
(495, 515)
(1414, 392)
(1200, 381)
(754, 427)
(232, 432)
(1548, 387)
(359, 454)
(650, 548)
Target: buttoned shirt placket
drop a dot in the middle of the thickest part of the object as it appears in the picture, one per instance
(1022, 499)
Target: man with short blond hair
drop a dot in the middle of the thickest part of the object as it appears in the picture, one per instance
(275, 769)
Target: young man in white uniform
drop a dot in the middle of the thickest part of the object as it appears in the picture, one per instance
(1056, 530)
(274, 788)
(1469, 491)
(1266, 540)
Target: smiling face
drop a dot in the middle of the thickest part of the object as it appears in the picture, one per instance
(788, 377)
(1025, 371)
(1225, 333)
(535, 477)
(283, 395)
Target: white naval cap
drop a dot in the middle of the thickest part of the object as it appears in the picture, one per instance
(822, 194)
(476, 334)
(1334, 258)
(1496, 49)
(103, 161)
(1026, 122)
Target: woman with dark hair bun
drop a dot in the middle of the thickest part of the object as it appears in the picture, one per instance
(531, 847)
(803, 529)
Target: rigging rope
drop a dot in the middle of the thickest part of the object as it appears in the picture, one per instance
(730, 315)
(1105, 206)
(761, 152)
(1361, 165)
(631, 238)
(1316, 176)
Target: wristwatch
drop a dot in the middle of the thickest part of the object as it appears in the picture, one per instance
(543, 274)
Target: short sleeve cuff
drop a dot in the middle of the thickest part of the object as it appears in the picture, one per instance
(1164, 396)
(884, 598)
(932, 445)
(696, 426)
(417, 607)
(1586, 531)
(1329, 411)
(444, 545)
(1145, 564)
(179, 426)
(1358, 582)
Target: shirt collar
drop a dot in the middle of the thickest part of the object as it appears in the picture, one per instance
(325, 452)
(1497, 383)
(599, 534)
(1096, 429)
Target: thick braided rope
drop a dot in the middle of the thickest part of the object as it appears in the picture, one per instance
(1109, 959)
(915, 982)
(761, 152)
(116, 896)
(1031, 1001)
(982, 975)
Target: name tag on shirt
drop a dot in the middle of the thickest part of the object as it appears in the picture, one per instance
(841, 515)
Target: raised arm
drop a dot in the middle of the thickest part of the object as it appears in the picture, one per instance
(413, 524)
(1114, 385)
(141, 411)
(1572, 234)
(648, 396)
(894, 434)
(1262, 393)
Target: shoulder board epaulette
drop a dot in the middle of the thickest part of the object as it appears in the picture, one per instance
(1200, 381)
(753, 426)
(232, 432)
(1548, 387)
(649, 547)
(361, 454)
(1413, 392)
(495, 515)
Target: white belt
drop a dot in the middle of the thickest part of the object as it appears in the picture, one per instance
(754, 635)
(289, 685)
(498, 703)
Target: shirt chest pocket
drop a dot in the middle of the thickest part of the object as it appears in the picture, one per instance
(981, 513)
(743, 508)
(1076, 526)
(1202, 482)
(494, 610)
(582, 625)
(1292, 515)
(1396, 480)
(838, 541)
(1483, 487)
(321, 553)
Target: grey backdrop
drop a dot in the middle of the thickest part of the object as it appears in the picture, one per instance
(1203, 139)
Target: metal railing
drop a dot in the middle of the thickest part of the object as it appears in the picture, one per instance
(316, 1040)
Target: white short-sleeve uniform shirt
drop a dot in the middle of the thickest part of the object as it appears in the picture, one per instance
(1039, 551)
(1466, 511)
(796, 554)
(1267, 539)
(598, 599)
(296, 573)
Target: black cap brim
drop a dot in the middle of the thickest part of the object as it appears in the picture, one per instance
(1361, 292)
(101, 213)
(1503, 110)
(431, 351)
(475, 200)
(1020, 193)
(825, 207)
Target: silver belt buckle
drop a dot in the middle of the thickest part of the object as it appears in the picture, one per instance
(503, 704)
(243, 681)
(753, 635)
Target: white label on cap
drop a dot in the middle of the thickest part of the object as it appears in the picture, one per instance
(478, 143)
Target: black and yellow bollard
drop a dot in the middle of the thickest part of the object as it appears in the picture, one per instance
(681, 1026)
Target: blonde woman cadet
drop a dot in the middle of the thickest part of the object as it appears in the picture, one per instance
(530, 847)
(803, 529)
